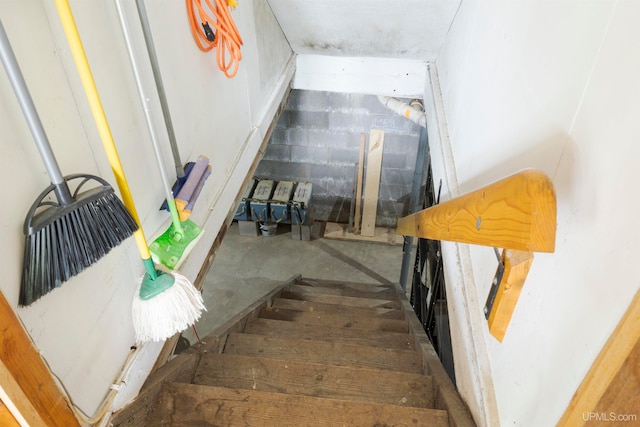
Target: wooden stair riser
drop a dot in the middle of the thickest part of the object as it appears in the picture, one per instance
(317, 307)
(284, 329)
(391, 303)
(330, 353)
(317, 380)
(346, 292)
(356, 286)
(188, 405)
(336, 320)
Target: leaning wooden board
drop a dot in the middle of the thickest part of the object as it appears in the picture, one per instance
(358, 213)
(372, 182)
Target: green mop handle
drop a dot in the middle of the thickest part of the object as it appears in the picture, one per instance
(177, 225)
(71, 31)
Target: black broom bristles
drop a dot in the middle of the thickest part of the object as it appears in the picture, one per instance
(63, 240)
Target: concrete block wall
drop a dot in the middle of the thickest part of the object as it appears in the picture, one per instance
(317, 139)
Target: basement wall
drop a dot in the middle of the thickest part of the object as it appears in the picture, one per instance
(554, 86)
(317, 139)
(83, 329)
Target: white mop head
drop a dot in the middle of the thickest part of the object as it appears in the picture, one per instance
(167, 313)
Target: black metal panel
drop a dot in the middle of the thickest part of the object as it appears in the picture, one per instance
(428, 292)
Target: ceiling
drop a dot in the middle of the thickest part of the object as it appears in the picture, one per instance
(410, 29)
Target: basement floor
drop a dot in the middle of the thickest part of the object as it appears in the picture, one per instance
(246, 268)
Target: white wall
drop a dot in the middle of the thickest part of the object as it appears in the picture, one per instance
(83, 329)
(551, 85)
(411, 30)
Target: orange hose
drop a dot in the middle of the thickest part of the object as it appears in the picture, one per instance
(227, 38)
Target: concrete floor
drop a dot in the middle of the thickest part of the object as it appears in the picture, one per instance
(246, 268)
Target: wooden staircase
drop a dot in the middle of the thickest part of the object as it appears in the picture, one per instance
(311, 353)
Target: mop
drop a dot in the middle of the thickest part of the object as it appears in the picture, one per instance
(184, 175)
(63, 238)
(168, 249)
(164, 303)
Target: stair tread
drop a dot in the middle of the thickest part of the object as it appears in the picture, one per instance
(294, 304)
(390, 303)
(336, 320)
(182, 405)
(347, 292)
(312, 379)
(283, 328)
(329, 353)
(338, 284)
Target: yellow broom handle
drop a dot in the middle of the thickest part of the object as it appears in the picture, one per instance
(89, 85)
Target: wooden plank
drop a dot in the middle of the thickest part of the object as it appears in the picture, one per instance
(622, 397)
(347, 292)
(518, 212)
(358, 286)
(358, 208)
(310, 379)
(516, 267)
(608, 364)
(343, 300)
(372, 182)
(6, 417)
(293, 304)
(447, 397)
(21, 363)
(179, 369)
(187, 405)
(329, 353)
(335, 320)
(281, 328)
(384, 235)
(11, 391)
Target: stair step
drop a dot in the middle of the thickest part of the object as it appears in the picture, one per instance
(367, 287)
(281, 328)
(310, 379)
(336, 320)
(342, 300)
(186, 405)
(330, 353)
(387, 294)
(310, 306)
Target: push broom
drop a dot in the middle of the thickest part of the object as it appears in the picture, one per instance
(62, 238)
(169, 248)
(164, 303)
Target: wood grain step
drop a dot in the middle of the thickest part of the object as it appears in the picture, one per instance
(310, 379)
(335, 320)
(342, 300)
(300, 305)
(386, 294)
(360, 286)
(188, 405)
(329, 353)
(281, 328)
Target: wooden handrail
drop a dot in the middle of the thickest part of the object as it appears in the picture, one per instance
(518, 212)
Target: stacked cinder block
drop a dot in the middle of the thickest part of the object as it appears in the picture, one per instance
(317, 139)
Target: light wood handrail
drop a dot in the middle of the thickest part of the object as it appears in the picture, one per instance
(517, 212)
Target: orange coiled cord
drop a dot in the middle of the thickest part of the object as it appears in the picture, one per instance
(227, 40)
